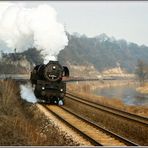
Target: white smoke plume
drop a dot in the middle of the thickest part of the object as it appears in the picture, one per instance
(24, 27)
(27, 93)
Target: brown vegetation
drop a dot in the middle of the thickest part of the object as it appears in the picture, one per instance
(84, 89)
(13, 121)
(87, 86)
(134, 132)
(21, 123)
(143, 89)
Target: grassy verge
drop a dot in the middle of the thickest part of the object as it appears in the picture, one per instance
(83, 89)
(134, 132)
(87, 86)
(21, 123)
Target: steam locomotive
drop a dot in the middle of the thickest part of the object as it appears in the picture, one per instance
(47, 82)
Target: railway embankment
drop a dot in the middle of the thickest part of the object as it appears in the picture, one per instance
(84, 89)
(127, 128)
(23, 124)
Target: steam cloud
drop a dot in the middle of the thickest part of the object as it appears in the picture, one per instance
(22, 28)
(27, 93)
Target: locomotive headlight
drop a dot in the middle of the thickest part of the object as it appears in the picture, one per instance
(53, 67)
(43, 88)
(61, 90)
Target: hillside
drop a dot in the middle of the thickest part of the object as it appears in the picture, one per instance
(103, 52)
(84, 56)
(20, 63)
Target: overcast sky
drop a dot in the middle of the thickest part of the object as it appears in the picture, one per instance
(126, 20)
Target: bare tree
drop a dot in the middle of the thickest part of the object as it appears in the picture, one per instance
(142, 71)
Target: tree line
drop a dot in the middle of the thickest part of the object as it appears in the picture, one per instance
(11, 63)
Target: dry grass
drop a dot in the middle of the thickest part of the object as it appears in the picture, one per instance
(8, 101)
(91, 85)
(125, 128)
(143, 89)
(21, 123)
(84, 90)
(134, 132)
(15, 129)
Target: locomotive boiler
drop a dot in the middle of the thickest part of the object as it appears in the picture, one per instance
(47, 82)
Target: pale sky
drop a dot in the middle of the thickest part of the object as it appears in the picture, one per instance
(121, 19)
(128, 20)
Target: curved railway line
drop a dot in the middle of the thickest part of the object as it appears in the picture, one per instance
(95, 134)
(128, 116)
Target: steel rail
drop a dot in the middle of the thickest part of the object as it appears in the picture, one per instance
(120, 138)
(111, 110)
(91, 140)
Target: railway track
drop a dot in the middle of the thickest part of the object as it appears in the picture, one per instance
(123, 114)
(95, 134)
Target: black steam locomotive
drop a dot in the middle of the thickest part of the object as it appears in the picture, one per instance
(48, 84)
